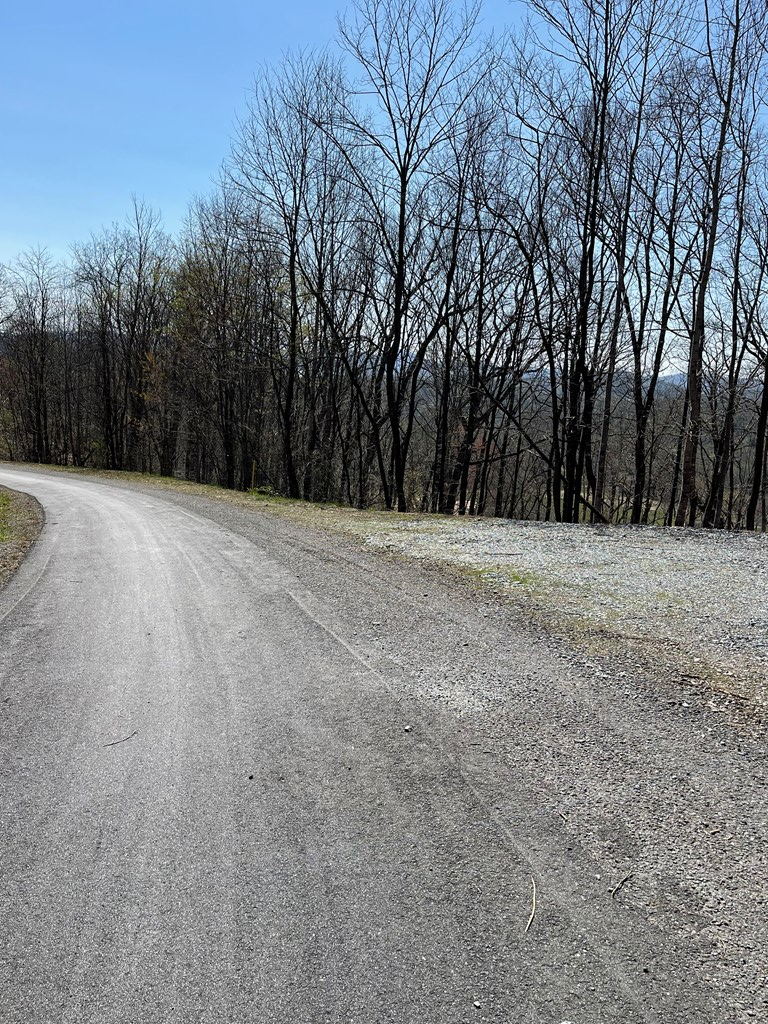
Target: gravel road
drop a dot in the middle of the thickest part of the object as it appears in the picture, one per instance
(254, 771)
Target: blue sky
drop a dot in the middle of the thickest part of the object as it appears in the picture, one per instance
(99, 101)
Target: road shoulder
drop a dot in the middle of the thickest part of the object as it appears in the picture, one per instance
(21, 521)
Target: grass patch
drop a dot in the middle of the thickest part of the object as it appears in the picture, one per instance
(5, 517)
(498, 579)
(21, 520)
(517, 577)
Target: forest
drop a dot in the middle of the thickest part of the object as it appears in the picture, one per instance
(522, 275)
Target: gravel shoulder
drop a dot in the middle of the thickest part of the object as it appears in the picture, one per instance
(690, 605)
(635, 789)
(21, 520)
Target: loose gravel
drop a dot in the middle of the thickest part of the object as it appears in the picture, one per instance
(690, 601)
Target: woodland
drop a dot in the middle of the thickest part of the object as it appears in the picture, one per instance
(521, 275)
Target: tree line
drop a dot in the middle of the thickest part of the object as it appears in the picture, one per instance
(523, 276)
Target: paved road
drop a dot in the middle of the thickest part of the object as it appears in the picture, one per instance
(215, 810)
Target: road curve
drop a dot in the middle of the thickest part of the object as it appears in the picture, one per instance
(214, 810)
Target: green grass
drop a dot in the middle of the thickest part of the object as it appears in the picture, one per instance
(5, 517)
(521, 579)
(496, 574)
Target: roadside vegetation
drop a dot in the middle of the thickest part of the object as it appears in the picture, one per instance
(5, 516)
(21, 520)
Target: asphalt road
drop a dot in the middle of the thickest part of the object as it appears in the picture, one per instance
(218, 808)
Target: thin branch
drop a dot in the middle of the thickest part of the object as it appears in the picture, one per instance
(533, 907)
(617, 889)
(123, 740)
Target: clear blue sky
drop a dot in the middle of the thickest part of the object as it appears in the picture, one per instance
(102, 100)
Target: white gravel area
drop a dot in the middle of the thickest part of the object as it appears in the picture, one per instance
(693, 599)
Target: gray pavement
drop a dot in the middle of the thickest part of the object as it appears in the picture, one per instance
(218, 808)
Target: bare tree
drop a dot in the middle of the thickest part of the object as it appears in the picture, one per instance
(733, 52)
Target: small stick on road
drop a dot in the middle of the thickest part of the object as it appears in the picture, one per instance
(123, 740)
(621, 884)
(533, 908)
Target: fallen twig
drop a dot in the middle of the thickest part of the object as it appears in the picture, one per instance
(533, 908)
(649, 639)
(621, 884)
(123, 740)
